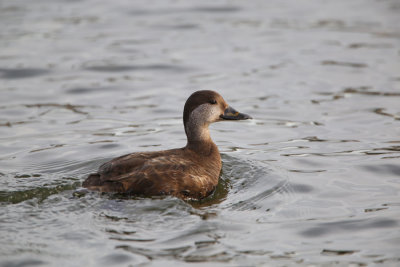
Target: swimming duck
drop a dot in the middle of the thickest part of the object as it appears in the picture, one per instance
(191, 172)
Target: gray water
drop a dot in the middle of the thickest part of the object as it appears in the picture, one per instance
(314, 179)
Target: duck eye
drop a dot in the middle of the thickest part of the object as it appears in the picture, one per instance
(213, 102)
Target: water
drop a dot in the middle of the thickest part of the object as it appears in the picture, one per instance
(313, 179)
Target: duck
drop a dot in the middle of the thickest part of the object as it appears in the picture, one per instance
(189, 173)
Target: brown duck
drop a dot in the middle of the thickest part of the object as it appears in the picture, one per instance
(190, 172)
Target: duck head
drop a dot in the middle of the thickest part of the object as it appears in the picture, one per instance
(205, 107)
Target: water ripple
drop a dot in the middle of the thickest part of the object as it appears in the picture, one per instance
(8, 73)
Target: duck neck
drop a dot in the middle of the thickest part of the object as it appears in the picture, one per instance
(199, 140)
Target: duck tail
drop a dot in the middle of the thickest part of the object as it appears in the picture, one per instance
(92, 180)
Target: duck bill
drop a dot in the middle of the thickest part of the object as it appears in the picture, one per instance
(232, 114)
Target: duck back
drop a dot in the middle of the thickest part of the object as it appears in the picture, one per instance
(183, 173)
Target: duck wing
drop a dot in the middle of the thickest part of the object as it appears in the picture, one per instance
(151, 173)
(126, 164)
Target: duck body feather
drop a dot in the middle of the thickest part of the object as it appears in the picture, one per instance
(184, 173)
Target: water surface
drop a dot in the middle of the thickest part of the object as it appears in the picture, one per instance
(313, 179)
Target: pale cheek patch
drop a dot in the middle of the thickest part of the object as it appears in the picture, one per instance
(205, 113)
